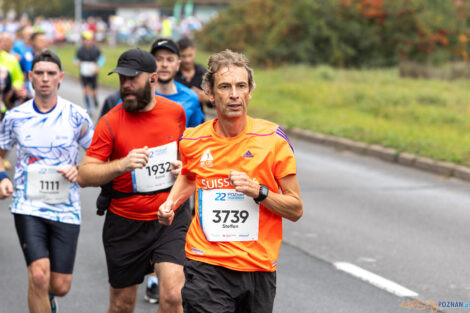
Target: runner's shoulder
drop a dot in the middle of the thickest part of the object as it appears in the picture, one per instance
(271, 131)
(114, 113)
(261, 126)
(201, 131)
(74, 108)
(188, 92)
(24, 110)
(168, 104)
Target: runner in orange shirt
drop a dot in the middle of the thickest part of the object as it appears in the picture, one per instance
(244, 172)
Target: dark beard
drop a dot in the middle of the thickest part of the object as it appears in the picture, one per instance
(166, 81)
(143, 97)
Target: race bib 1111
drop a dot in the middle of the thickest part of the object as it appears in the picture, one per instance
(44, 183)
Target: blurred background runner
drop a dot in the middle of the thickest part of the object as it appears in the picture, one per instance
(190, 73)
(89, 59)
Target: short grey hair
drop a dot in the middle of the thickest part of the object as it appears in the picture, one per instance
(226, 58)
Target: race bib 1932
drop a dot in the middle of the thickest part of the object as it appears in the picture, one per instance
(228, 215)
(44, 183)
(156, 175)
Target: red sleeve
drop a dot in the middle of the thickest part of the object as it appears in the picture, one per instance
(102, 144)
(182, 123)
(182, 127)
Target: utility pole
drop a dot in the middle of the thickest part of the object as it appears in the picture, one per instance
(78, 18)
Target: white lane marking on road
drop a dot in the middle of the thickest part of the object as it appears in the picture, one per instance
(375, 280)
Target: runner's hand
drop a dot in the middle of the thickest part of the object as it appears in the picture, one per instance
(21, 92)
(166, 213)
(136, 158)
(176, 167)
(6, 188)
(69, 172)
(243, 183)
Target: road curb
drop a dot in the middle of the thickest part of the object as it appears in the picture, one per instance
(441, 168)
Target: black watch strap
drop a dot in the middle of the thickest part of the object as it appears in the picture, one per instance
(263, 193)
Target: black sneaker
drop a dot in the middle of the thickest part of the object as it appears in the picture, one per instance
(151, 294)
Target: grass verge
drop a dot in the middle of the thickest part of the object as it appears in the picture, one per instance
(427, 117)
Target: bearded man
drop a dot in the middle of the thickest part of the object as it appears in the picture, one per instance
(136, 146)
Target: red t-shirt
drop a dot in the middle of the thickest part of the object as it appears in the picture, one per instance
(118, 132)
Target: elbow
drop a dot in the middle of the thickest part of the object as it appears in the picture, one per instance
(80, 181)
(297, 214)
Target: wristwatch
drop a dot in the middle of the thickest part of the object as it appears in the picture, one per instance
(263, 193)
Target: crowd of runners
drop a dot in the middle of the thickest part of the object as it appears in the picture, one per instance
(194, 204)
(137, 29)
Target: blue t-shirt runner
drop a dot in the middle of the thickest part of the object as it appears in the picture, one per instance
(190, 102)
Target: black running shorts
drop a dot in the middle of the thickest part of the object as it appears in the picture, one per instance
(43, 238)
(209, 288)
(132, 247)
(91, 81)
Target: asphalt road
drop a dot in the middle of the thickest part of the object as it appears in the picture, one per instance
(407, 226)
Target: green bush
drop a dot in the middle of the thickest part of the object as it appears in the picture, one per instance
(344, 33)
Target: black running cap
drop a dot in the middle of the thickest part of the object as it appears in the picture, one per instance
(133, 62)
(164, 43)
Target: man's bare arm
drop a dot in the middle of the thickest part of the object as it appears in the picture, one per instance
(182, 189)
(288, 204)
(6, 186)
(94, 172)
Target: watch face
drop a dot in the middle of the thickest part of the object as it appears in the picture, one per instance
(264, 190)
(263, 193)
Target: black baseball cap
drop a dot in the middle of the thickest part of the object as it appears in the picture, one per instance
(133, 62)
(164, 43)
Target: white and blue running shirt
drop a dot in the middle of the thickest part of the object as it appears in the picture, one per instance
(50, 138)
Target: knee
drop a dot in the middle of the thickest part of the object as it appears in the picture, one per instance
(171, 297)
(122, 305)
(39, 279)
(60, 290)
(60, 286)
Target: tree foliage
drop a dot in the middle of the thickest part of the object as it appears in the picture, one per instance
(49, 8)
(342, 32)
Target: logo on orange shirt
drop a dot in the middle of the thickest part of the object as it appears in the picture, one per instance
(248, 154)
(206, 160)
